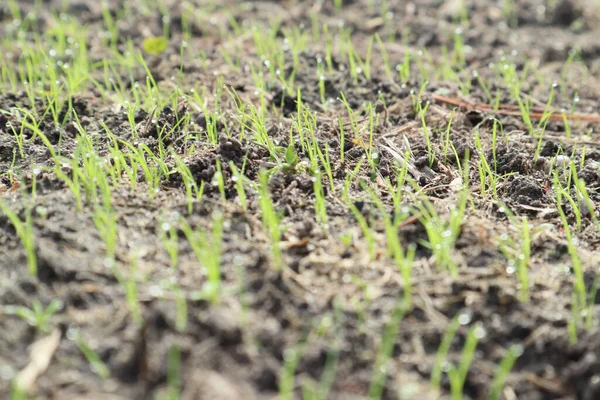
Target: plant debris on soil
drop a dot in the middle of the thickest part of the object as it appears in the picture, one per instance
(299, 199)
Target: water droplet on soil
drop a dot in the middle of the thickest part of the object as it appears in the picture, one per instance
(6, 373)
(72, 332)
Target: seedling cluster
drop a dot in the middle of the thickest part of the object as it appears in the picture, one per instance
(386, 178)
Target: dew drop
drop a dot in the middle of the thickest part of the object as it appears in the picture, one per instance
(479, 332)
(464, 318)
(446, 366)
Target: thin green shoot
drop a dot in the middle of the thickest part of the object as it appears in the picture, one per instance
(270, 219)
(579, 293)
(403, 259)
(320, 203)
(447, 136)
(366, 230)
(384, 353)
(585, 203)
(181, 311)
(458, 375)
(589, 312)
(174, 373)
(92, 357)
(219, 181)
(207, 249)
(403, 69)
(524, 258)
(442, 234)
(349, 179)
(238, 178)
(192, 191)
(291, 357)
(485, 171)
(518, 255)
(326, 164)
(168, 235)
(131, 291)
(504, 368)
(386, 58)
(442, 354)
(430, 150)
(24, 229)
(106, 224)
(396, 190)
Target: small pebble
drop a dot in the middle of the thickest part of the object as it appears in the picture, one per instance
(559, 161)
(583, 206)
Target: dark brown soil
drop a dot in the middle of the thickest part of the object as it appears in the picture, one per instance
(330, 303)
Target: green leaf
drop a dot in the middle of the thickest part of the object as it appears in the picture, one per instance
(155, 45)
(290, 156)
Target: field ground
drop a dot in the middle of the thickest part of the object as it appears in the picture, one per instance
(300, 199)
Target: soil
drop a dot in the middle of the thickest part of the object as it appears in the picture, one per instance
(330, 302)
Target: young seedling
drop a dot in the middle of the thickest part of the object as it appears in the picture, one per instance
(173, 375)
(25, 232)
(366, 230)
(322, 390)
(442, 234)
(207, 249)
(129, 285)
(192, 190)
(430, 151)
(579, 290)
(403, 259)
(106, 223)
(384, 354)
(442, 354)
(518, 254)
(92, 357)
(291, 357)
(458, 375)
(168, 235)
(181, 308)
(270, 219)
(320, 203)
(504, 368)
(350, 178)
(37, 316)
(238, 178)
(219, 181)
(487, 177)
